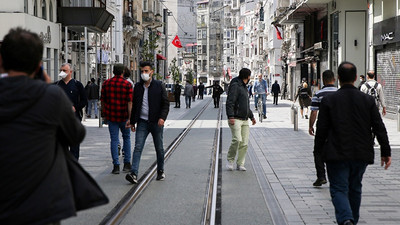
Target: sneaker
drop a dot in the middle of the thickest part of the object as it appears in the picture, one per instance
(115, 169)
(96, 117)
(229, 165)
(306, 116)
(348, 222)
(319, 182)
(241, 168)
(160, 175)
(265, 117)
(127, 167)
(131, 177)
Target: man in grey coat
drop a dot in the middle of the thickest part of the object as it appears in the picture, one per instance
(189, 93)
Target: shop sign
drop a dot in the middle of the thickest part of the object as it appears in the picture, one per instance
(385, 31)
(46, 37)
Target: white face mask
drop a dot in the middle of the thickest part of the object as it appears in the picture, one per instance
(145, 76)
(361, 80)
(62, 74)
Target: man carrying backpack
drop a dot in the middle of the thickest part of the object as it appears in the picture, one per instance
(373, 88)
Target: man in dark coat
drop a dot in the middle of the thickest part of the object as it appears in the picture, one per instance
(177, 94)
(36, 121)
(201, 90)
(275, 89)
(150, 107)
(345, 124)
(216, 93)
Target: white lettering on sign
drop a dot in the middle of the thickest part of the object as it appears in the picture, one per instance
(387, 37)
(46, 38)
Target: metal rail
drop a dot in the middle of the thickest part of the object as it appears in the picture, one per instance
(117, 214)
(210, 206)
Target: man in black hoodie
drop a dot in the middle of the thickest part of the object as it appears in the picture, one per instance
(238, 113)
(36, 123)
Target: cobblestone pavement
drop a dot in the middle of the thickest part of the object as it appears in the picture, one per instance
(287, 160)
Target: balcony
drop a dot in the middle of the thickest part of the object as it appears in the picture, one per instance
(93, 15)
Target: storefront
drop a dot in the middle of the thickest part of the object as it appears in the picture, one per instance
(387, 60)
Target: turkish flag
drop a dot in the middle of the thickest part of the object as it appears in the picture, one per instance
(176, 42)
(278, 33)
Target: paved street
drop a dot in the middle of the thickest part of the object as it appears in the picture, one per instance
(286, 160)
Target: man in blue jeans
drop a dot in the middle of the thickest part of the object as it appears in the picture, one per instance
(150, 109)
(345, 124)
(116, 103)
(261, 91)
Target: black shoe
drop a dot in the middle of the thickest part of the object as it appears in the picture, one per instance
(88, 117)
(306, 116)
(319, 182)
(127, 167)
(265, 117)
(348, 222)
(96, 117)
(115, 169)
(160, 175)
(131, 177)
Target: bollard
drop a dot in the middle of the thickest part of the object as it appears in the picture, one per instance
(398, 118)
(295, 118)
(291, 114)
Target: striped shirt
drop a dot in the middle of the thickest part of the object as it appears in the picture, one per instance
(317, 98)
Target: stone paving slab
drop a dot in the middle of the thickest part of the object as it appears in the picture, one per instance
(287, 159)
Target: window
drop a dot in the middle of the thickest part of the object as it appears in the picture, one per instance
(260, 45)
(26, 6)
(228, 34)
(227, 45)
(204, 67)
(247, 52)
(204, 36)
(198, 34)
(232, 51)
(199, 49)
(51, 15)
(228, 59)
(35, 10)
(204, 49)
(145, 5)
(44, 11)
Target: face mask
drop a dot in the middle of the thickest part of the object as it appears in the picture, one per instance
(145, 76)
(361, 80)
(62, 74)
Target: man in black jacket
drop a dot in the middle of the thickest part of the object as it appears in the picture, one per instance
(36, 120)
(150, 107)
(238, 112)
(345, 124)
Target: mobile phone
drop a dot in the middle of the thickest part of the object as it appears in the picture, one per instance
(39, 75)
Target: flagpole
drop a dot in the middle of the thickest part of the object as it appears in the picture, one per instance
(165, 14)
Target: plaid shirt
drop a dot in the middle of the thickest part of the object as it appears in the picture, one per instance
(116, 92)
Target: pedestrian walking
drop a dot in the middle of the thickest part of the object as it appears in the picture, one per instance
(93, 98)
(177, 94)
(250, 88)
(344, 137)
(328, 88)
(362, 81)
(194, 92)
(188, 92)
(261, 91)
(238, 112)
(116, 101)
(373, 88)
(36, 123)
(201, 90)
(87, 94)
(304, 95)
(76, 94)
(275, 89)
(216, 93)
(150, 109)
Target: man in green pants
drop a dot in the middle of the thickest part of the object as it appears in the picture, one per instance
(238, 113)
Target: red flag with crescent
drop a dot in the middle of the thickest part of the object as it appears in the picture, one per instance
(176, 42)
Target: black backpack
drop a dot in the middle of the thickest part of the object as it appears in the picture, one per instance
(373, 91)
(303, 93)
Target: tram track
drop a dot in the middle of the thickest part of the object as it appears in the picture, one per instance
(122, 208)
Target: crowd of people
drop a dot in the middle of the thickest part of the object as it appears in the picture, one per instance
(32, 107)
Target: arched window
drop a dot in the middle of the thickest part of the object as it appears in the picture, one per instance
(35, 9)
(26, 6)
(51, 11)
(44, 9)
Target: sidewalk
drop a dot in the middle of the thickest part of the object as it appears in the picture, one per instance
(286, 157)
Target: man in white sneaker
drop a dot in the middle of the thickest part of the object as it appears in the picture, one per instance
(238, 113)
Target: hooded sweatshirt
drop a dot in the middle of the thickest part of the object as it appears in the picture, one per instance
(35, 118)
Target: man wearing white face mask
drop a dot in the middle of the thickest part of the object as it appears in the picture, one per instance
(76, 93)
(150, 107)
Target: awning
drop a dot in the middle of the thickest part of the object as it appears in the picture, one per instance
(191, 44)
(160, 57)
